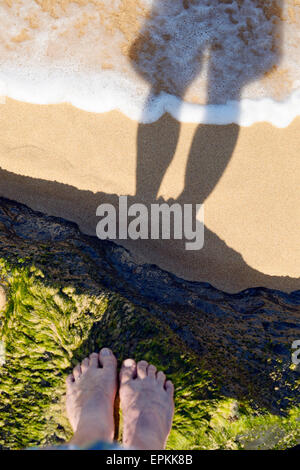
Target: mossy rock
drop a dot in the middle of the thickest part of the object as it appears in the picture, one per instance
(69, 294)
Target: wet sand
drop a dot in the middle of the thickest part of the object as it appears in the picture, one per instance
(65, 162)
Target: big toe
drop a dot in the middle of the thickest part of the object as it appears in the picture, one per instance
(108, 360)
(128, 371)
(170, 388)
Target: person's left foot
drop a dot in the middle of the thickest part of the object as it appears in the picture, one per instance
(91, 391)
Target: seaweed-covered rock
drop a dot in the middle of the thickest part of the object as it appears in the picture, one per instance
(68, 294)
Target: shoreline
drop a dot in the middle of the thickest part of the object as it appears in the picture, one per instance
(277, 111)
(73, 161)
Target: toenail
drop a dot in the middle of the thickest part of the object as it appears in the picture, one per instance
(129, 363)
(106, 352)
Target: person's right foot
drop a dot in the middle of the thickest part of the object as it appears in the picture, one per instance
(146, 400)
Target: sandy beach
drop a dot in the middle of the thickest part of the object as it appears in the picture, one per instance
(65, 162)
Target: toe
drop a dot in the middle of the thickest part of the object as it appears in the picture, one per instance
(77, 372)
(151, 371)
(94, 360)
(107, 359)
(142, 369)
(161, 378)
(170, 388)
(85, 364)
(128, 371)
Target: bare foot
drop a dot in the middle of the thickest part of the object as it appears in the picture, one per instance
(91, 391)
(147, 405)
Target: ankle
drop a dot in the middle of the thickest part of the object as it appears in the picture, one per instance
(89, 432)
(142, 437)
(145, 442)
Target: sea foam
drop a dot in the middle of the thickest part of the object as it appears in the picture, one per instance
(202, 61)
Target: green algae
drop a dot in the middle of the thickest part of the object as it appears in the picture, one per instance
(48, 326)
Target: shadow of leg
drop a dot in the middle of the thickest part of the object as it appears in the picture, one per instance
(153, 157)
(210, 152)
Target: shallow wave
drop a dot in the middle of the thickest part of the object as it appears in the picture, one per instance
(210, 61)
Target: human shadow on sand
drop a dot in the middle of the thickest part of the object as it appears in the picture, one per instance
(248, 33)
(237, 42)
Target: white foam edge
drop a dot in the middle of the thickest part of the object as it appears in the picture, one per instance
(108, 92)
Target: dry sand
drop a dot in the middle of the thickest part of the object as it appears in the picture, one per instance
(65, 162)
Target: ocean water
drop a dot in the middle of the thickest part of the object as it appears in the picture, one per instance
(210, 61)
